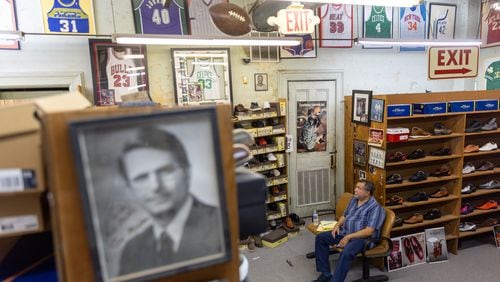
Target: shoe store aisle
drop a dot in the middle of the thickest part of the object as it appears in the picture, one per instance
(477, 261)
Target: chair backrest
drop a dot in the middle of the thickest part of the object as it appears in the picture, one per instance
(385, 231)
(342, 203)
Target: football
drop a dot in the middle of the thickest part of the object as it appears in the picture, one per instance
(231, 19)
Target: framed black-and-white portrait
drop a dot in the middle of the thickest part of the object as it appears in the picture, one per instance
(153, 193)
(361, 101)
(377, 110)
(376, 157)
(360, 152)
(260, 81)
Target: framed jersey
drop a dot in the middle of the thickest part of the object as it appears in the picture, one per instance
(200, 22)
(442, 19)
(492, 76)
(8, 22)
(377, 23)
(160, 16)
(490, 24)
(118, 71)
(201, 76)
(68, 16)
(412, 22)
(335, 26)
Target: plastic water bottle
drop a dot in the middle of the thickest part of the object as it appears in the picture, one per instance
(315, 218)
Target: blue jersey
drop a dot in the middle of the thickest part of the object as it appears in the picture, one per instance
(158, 17)
(67, 16)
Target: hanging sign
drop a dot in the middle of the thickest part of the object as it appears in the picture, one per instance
(453, 62)
(295, 20)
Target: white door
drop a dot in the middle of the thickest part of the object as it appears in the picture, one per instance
(311, 112)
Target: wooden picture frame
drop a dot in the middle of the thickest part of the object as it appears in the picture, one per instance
(117, 70)
(377, 110)
(442, 20)
(260, 81)
(123, 205)
(361, 101)
(360, 152)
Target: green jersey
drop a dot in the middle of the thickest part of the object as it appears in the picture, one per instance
(492, 76)
(377, 23)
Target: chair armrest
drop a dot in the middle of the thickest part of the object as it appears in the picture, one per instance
(368, 241)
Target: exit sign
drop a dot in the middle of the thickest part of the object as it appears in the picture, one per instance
(453, 62)
(295, 21)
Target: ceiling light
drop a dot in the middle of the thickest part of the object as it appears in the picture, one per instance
(395, 3)
(11, 35)
(189, 40)
(372, 41)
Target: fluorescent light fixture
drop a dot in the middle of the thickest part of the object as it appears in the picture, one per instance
(395, 3)
(11, 35)
(373, 41)
(189, 40)
(136, 68)
(133, 56)
(137, 87)
(209, 63)
(136, 74)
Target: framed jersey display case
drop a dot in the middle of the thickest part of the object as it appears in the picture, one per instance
(118, 71)
(8, 22)
(490, 23)
(68, 16)
(377, 23)
(442, 19)
(201, 76)
(160, 16)
(412, 23)
(336, 26)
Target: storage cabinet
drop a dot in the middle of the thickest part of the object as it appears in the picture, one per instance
(450, 205)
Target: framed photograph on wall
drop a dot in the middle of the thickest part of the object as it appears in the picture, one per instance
(490, 24)
(360, 152)
(68, 16)
(361, 101)
(260, 81)
(117, 71)
(442, 18)
(8, 23)
(376, 157)
(308, 48)
(137, 175)
(377, 110)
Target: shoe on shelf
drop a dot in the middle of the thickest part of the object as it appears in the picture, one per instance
(486, 166)
(467, 226)
(417, 247)
(471, 148)
(275, 191)
(271, 157)
(468, 168)
(417, 154)
(432, 214)
(444, 170)
(488, 205)
(394, 178)
(488, 222)
(239, 109)
(289, 223)
(415, 218)
(441, 152)
(254, 106)
(394, 200)
(417, 132)
(442, 192)
(396, 157)
(397, 222)
(490, 146)
(495, 183)
(474, 126)
(408, 249)
(491, 124)
(418, 176)
(418, 197)
(440, 129)
(466, 208)
(471, 188)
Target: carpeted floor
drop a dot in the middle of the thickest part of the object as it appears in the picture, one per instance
(477, 261)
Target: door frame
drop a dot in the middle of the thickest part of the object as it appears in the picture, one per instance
(284, 76)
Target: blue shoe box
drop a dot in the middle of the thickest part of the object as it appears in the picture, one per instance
(429, 108)
(460, 106)
(486, 105)
(399, 110)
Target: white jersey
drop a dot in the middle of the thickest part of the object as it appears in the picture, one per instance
(412, 25)
(7, 22)
(336, 23)
(117, 73)
(209, 76)
(199, 17)
(442, 26)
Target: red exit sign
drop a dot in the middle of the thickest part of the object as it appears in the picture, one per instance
(453, 62)
(295, 21)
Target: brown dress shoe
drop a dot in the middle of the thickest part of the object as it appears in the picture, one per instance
(418, 132)
(415, 218)
(471, 148)
(442, 192)
(289, 223)
(444, 170)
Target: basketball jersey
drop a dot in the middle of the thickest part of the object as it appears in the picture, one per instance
(154, 17)
(301, 49)
(412, 25)
(492, 76)
(117, 73)
(209, 75)
(200, 20)
(67, 16)
(441, 26)
(7, 23)
(336, 23)
(493, 26)
(377, 23)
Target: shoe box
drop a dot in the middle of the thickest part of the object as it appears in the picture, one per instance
(397, 134)
(429, 108)
(280, 107)
(275, 238)
(460, 106)
(399, 110)
(486, 105)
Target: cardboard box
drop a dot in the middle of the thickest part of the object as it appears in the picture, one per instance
(429, 108)
(275, 238)
(486, 105)
(397, 134)
(460, 106)
(21, 213)
(399, 110)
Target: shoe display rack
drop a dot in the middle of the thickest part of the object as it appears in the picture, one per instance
(268, 127)
(425, 190)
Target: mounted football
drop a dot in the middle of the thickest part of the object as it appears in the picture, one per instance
(231, 19)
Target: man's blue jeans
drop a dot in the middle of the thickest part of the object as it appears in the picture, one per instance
(322, 246)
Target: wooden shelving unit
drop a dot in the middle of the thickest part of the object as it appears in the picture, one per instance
(457, 122)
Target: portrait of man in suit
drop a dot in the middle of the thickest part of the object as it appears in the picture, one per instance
(158, 173)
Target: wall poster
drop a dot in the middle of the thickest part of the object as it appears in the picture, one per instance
(68, 16)
(492, 76)
(8, 22)
(311, 126)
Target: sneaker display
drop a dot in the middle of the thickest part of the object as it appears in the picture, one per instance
(254, 106)
(491, 124)
(468, 168)
(471, 148)
(485, 166)
(271, 157)
(490, 146)
(266, 105)
(491, 184)
(468, 189)
(417, 132)
(417, 154)
(474, 126)
(467, 226)
(440, 129)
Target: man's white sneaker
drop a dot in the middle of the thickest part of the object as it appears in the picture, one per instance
(490, 146)
(468, 168)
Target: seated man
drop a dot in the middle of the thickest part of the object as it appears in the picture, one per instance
(362, 218)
